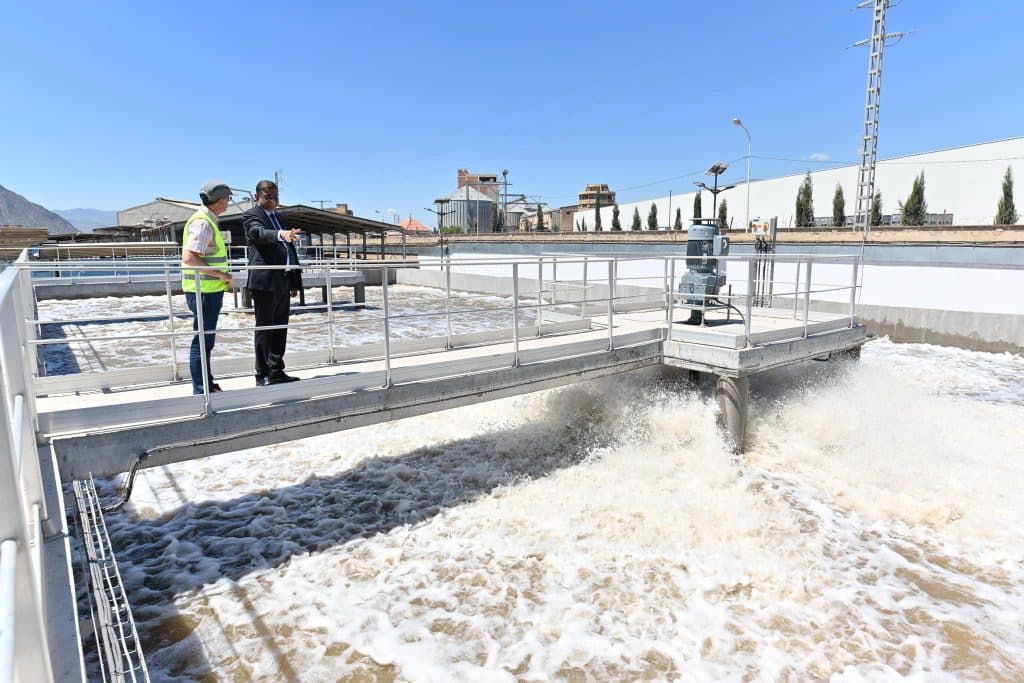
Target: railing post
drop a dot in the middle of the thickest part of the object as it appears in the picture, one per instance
(671, 265)
(584, 276)
(853, 293)
(387, 331)
(540, 294)
(611, 304)
(447, 265)
(202, 344)
(796, 287)
(170, 322)
(807, 297)
(751, 274)
(515, 315)
(330, 314)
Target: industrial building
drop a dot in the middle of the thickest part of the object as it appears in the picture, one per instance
(962, 187)
(596, 195)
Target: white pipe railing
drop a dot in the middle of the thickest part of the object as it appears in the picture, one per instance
(24, 651)
(669, 301)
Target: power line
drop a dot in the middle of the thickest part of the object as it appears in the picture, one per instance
(888, 162)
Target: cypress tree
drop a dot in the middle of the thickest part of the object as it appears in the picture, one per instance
(805, 203)
(679, 219)
(540, 218)
(652, 217)
(723, 216)
(1006, 213)
(616, 225)
(636, 219)
(876, 209)
(915, 209)
(838, 208)
(584, 224)
(696, 205)
(597, 214)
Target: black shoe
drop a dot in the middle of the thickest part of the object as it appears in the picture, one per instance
(279, 377)
(261, 380)
(215, 388)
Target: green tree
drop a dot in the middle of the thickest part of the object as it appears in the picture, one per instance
(540, 219)
(838, 207)
(616, 225)
(636, 219)
(876, 209)
(597, 214)
(696, 205)
(805, 203)
(495, 221)
(914, 210)
(1006, 213)
(679, 219)
(652, 217)
(723, 216)
(452, 230)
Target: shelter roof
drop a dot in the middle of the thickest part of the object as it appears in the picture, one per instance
(316, 221)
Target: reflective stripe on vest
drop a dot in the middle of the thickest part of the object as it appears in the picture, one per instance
(208, 284)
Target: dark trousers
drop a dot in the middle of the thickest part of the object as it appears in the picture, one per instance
(211, 311)
(272, 308)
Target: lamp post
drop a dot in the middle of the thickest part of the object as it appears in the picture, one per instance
(736, 121)
(441, 212)
(504, 198)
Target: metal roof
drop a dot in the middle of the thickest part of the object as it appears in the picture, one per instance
(317, 221)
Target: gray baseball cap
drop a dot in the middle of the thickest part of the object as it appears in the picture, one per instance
(212, 190)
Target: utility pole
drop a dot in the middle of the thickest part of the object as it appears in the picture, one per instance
(278, 179)
(321, 202)
(869, 139)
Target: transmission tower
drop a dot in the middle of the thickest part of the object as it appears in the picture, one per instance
(869, 141)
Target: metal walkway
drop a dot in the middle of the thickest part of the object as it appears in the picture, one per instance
(576, 318)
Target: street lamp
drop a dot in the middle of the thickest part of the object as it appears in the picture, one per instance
(441, 212)
(504, 200)
(739, 123)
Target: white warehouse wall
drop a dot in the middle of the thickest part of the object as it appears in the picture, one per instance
(965, 181)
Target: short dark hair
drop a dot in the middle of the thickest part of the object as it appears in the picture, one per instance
(265, 185)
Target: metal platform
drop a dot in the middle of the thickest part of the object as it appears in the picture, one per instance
(587, 324)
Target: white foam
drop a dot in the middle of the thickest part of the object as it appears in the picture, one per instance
(603, 531)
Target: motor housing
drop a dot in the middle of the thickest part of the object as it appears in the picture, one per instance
(702, 280)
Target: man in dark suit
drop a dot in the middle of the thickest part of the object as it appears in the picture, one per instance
(269, 243)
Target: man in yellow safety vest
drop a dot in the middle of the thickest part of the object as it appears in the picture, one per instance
(204, 256)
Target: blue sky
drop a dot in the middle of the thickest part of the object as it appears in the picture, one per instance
(107, 105)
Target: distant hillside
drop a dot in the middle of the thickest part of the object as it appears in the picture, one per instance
(88, 220)
(16, 210)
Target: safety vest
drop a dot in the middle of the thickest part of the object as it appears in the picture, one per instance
(208, 284)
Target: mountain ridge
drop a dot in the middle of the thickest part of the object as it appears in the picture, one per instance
(17, 210)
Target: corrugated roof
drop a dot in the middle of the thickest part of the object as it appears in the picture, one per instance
(467, 192)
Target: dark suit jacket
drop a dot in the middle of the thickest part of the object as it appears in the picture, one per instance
(265, 249)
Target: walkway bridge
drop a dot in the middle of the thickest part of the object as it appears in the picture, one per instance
(546, 321)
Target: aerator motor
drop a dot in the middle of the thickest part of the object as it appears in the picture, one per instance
(701, 283)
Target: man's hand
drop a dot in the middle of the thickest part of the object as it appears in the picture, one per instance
(290, 235)
(228, 280)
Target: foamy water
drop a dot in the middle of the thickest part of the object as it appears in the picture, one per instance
(603, 532)
(114, 342)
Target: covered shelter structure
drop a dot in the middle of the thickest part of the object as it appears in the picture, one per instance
(327, 233)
